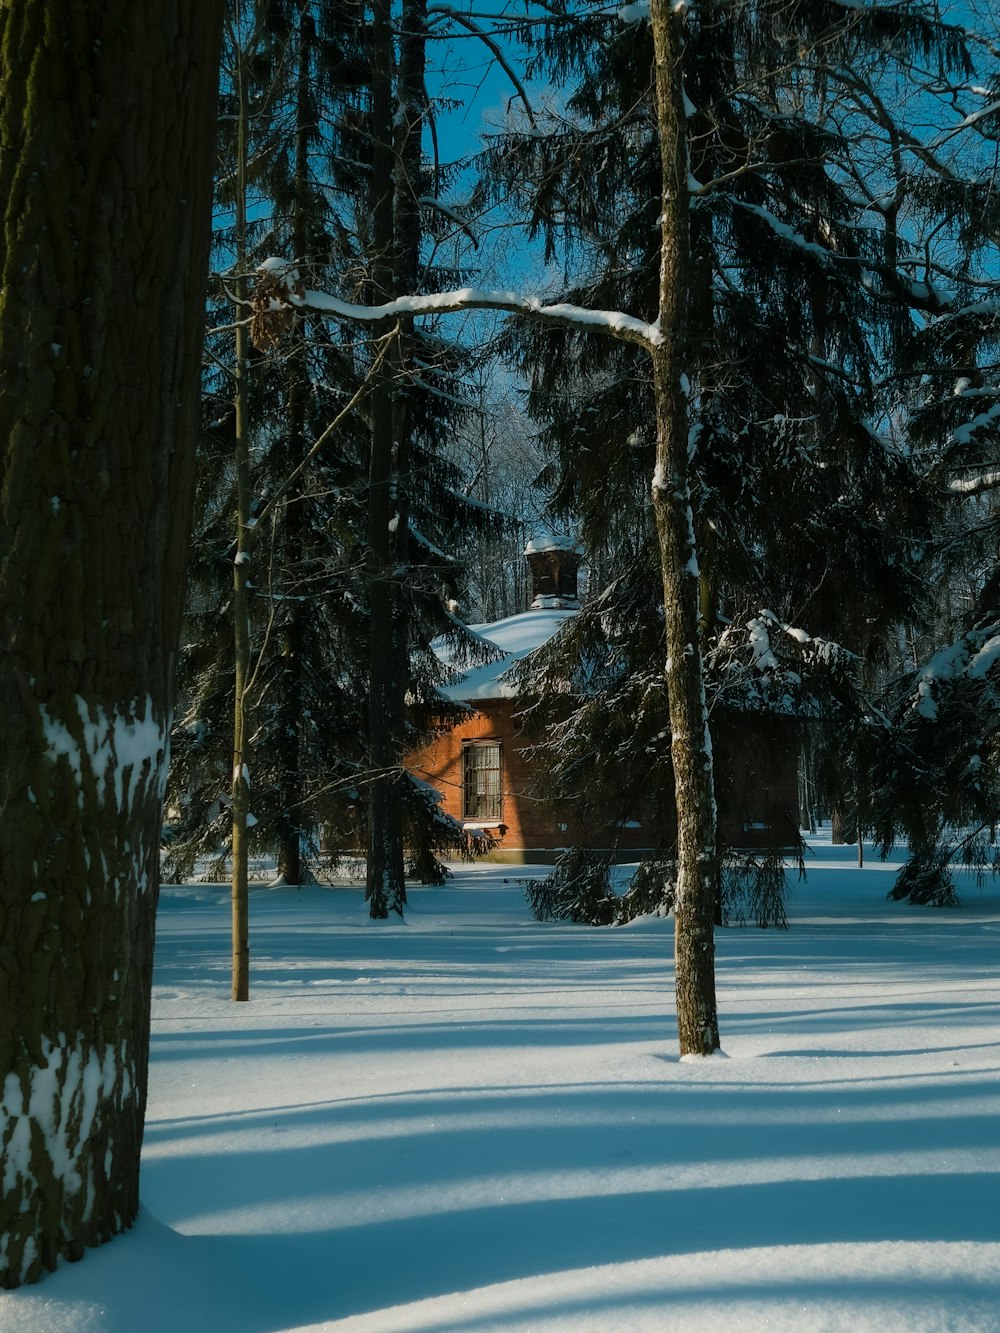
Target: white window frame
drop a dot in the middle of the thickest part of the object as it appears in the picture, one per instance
(479, 801)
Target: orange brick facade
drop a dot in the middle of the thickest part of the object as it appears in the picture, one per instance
(526, 826)
(756, 779)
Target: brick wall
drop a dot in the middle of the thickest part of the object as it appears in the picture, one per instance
(756, 780)
(531, 829)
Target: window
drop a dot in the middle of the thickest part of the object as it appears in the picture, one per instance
(482, 780)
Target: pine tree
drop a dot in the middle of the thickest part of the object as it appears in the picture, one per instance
(418, 517)
(313, 401)
(302, 505)
(809, 506)
(933, 767)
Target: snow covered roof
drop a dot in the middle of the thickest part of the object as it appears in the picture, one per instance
(516, 637)
(553, 542)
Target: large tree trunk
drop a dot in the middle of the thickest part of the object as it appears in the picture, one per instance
(106, 146)
(842, 827)
(691, 749)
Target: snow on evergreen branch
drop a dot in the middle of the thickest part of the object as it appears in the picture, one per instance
(971, 657)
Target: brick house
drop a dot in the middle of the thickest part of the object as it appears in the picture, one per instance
(482, 768)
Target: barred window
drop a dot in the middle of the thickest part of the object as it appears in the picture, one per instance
(482, 780)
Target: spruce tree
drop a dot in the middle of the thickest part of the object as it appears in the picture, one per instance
(294, 544)
(418, 514)
(840, 246)
(933, 765)
(320, 737)
(809, 507)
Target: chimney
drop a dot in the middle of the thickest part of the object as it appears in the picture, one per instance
(553, 562)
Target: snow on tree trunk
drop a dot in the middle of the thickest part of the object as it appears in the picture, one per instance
(691, 750)
(105, 174)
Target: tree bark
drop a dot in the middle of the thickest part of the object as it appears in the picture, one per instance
(842, 825)
(691, 748)
(240, 790)
(106, 150)
(386, 885)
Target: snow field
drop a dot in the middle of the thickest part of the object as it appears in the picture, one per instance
(471, 1121)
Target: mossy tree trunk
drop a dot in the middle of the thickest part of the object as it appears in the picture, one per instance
(106, 150)
(691, 750)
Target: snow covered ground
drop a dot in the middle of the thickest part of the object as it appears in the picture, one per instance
(471, 1122)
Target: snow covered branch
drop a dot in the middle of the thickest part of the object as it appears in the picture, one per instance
(977, 485)
(279, 292)
(429, 201)
(964, 433)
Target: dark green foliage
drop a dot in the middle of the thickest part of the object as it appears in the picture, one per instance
(580, 889)
(312, 152)
(936, 768)
(926, 878)
(819, 252)
(782, 326)
(755, 887)
(932, 767)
